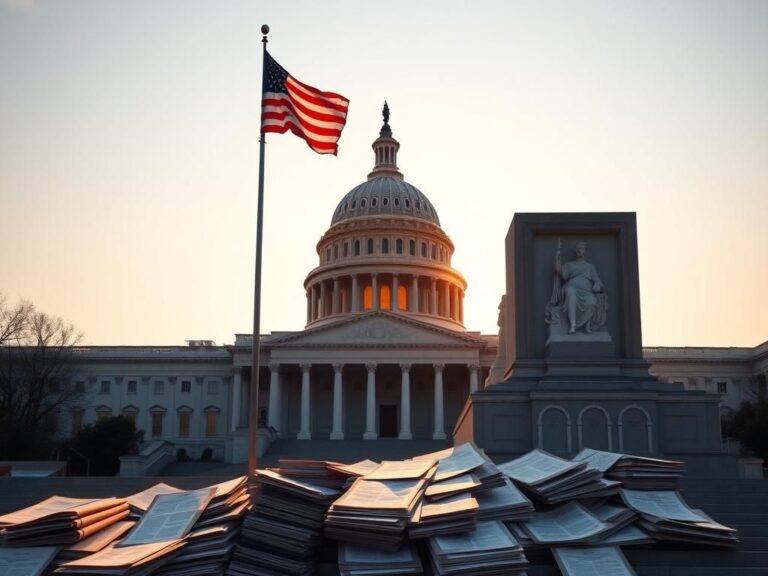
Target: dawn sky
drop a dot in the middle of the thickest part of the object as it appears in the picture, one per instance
(129, 151)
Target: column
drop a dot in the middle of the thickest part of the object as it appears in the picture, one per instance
(393, 293)
(355, 295)
(304, 430)
(433, 294)
(336, 296)
(313, 305)
(461, 307)
(338, 391)
(439, 433)
(374, 292)
(275, 397)
(473, 368)
(405, 403)
(323, 308)
(370, 405)
(415, 295)
(455, 290)
(237, 384)
(309, 306)
(446, 300)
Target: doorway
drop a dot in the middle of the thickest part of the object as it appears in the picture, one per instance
(388, 421)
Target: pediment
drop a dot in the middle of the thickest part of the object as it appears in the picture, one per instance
(376, 329)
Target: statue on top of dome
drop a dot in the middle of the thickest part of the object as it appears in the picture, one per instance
(385, 131)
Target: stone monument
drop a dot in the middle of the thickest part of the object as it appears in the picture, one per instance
(570, 340)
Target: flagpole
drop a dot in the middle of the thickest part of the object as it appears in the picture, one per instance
(253, 413)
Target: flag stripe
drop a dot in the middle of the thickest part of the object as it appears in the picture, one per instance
(288, 104)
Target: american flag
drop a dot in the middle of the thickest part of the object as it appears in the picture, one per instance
(287, 104)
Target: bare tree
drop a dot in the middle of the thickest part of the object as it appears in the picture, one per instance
(35, 378)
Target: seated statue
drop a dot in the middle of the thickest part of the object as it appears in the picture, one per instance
(578, 300)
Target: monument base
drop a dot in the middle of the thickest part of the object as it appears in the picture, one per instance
(563, 415)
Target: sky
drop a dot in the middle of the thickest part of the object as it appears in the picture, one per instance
(129, 151)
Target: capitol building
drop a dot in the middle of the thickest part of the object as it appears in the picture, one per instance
(385, 352)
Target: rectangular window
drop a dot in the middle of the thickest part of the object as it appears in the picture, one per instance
(399, 245)
(131, 387)
(722, 387)
(130, 415)
(370, 246)
(159, 386)
(210, 423)
(213, 387)
(423, 249)
(186, 386)
(77, 421)
(157, 424)
(79, 387)
(184, 425)
(102, 414)
(104, 387)
(412, 247)
(434, 252)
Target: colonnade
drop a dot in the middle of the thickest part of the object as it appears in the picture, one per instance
(406, 292)
(337, 432)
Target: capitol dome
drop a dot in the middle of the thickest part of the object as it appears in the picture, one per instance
(385, 250)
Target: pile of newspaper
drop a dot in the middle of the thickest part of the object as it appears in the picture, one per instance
(283, 532)
(638, 472)
(604, 560)
(550, 479)
(488, 549)
(377, 508)
(59, 520)
(666, 517)
(356, 561)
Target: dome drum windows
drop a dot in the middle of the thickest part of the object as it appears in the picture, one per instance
(357, 248)
(385, 245)
(412, 247)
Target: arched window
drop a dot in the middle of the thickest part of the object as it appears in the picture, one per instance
(370, 245)
(423, 249)
(412, 247)
(385, 245)
(385, 302)
(336, 252)
(346, 249)
(399, 245)
(328, 254)
(367, 297)
(357, 247)
(434, 252)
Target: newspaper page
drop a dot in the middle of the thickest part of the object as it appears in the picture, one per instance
(25, 561)
(598, 459)
(660, 503)
(454, 505)
(507, 495)
(597, 561)
(568, 523)
(115, 557)
(102, 538)
(360, 555)
(298, 484)
(142, 500)
(169, 517)
(462, 483)
(400, 470)
(378, 494)
(463, 459)
(490, 535)
(537, 466)
(357, 469)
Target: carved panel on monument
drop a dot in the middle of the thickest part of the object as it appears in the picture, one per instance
(634, 431)
(594, 429)
(555, 430)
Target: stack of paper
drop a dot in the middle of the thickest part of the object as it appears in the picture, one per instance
(354, 561)
(636, 472)
(60, 520)
(465, 483)
(552, 479)
(666, 517)
(456, 461)
(489, 549)
(375, 513)
(283, 532)
(603, 560)
(139, 559)
(448, 516)
(210, 541)
(354, 470)
(504, 503)
(26, 561)
(570, 523)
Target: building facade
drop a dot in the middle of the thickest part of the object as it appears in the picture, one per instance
(384, 353)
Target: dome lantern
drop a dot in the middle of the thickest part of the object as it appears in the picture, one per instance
(385, 150)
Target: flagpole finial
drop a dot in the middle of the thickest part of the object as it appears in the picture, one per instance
(265, 31)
